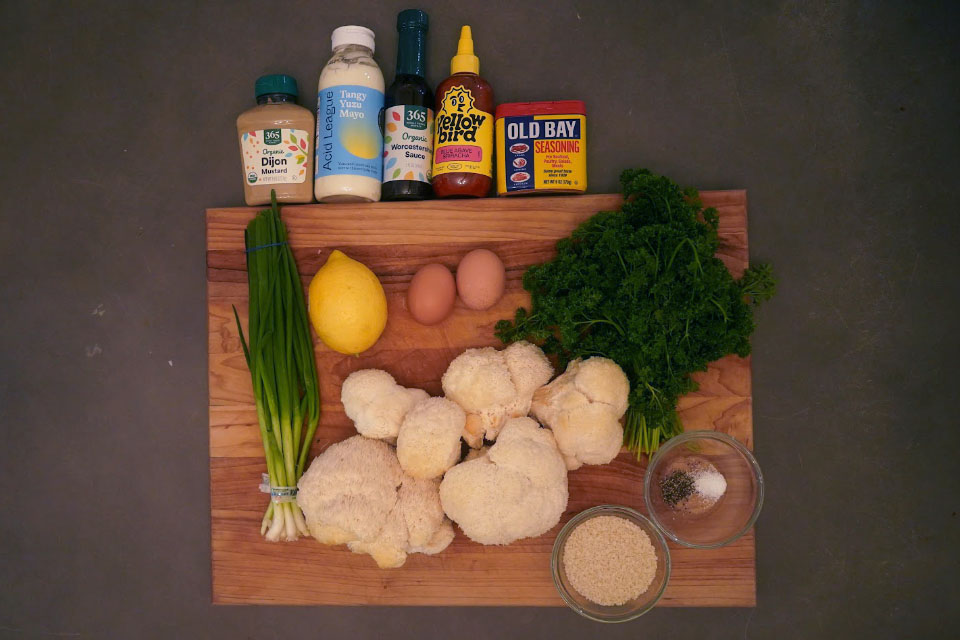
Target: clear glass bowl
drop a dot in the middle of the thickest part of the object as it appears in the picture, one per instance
(630, 610)
(735, 512)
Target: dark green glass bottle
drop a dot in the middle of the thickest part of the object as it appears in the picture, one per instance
(408, 115)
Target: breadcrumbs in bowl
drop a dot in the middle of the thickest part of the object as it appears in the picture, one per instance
(610, 564)
(609, 560)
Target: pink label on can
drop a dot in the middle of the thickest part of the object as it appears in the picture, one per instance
(463, 152)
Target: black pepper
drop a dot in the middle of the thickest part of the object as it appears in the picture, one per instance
(676, 487)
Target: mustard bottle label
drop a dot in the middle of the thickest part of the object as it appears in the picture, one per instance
(275, 156)
(464, 140)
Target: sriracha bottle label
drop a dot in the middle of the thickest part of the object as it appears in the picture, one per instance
(464, 138)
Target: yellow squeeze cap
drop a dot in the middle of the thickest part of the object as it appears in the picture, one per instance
(465, 61)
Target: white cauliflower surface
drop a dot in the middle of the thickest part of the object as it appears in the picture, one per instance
(429, 440)
(517, 489)
(583, 407)
(376, 403)
(355, 493)
(492, 386)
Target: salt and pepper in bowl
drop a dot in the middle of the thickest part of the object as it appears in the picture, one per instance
(703, 489)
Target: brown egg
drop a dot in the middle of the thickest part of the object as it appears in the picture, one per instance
(480, 279)
(431, 294)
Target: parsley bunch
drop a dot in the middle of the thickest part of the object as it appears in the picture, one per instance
(643, 287)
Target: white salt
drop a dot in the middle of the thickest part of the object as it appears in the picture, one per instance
(710, 484)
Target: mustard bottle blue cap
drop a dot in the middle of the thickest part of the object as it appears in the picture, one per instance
(276, 83)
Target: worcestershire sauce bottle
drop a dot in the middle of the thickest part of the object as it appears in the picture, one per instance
(408, 116)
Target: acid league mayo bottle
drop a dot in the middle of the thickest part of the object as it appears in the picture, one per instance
(349, 164)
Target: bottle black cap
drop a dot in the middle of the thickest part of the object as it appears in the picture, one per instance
(413, 19)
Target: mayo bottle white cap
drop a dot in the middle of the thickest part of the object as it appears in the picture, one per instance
(352, 34)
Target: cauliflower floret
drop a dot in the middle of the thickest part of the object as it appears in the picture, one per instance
(441, 539)
(473, 454)
(429, 440)
(493, 386)
(422, 513)
(416, 521)
(376, 403)
(356, 493)
(517, 490)
(349, 490)
(388, 549)
(583, 407)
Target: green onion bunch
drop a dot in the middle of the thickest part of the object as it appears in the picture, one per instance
(279, 353)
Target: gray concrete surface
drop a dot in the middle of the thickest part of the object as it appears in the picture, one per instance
(840, 118)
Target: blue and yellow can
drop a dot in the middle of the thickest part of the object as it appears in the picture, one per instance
(541, 147)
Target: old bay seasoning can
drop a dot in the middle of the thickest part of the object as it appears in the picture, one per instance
(541, 147)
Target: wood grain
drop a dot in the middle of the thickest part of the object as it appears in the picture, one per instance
(395, 239)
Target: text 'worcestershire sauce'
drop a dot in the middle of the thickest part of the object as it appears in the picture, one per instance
(463, 145)
(408, 116)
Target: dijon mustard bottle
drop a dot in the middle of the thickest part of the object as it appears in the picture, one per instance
(276, 144)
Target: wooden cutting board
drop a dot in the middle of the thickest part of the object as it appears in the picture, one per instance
(395, 240)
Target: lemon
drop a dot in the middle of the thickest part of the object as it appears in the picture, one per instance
(348, 308)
